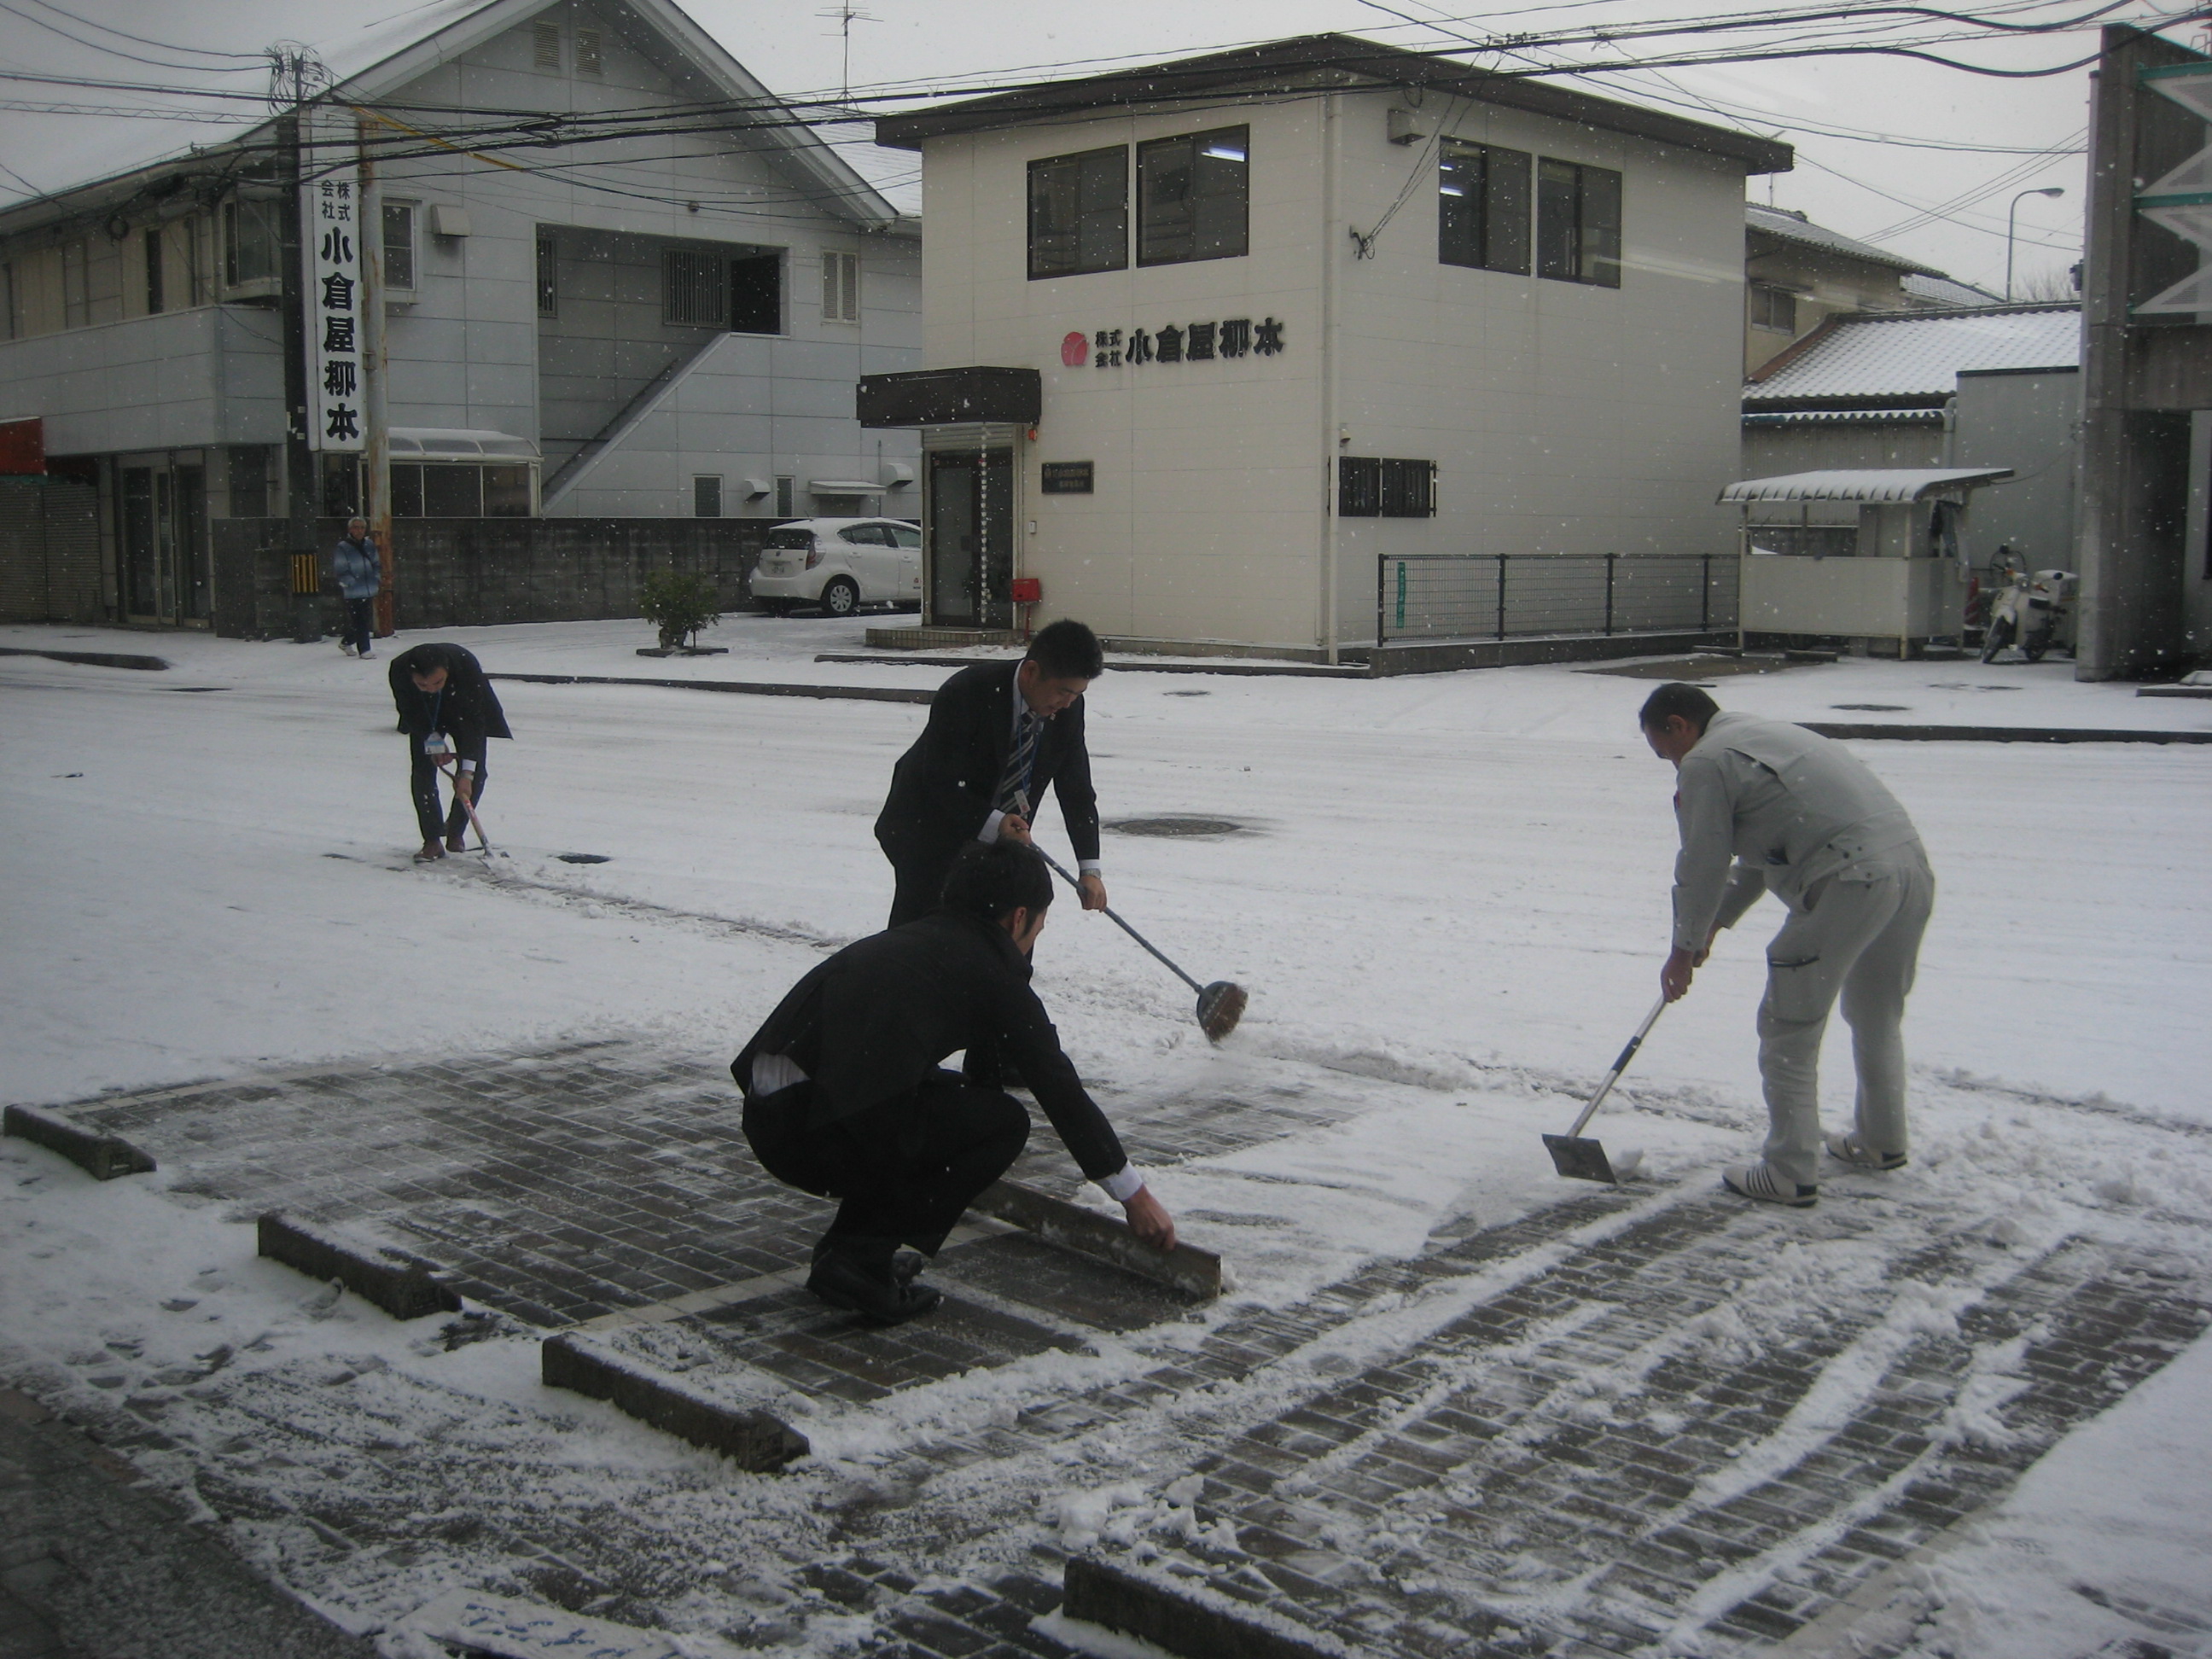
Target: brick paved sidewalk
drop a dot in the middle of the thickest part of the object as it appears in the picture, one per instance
(93, 1566)
(1638, 1417)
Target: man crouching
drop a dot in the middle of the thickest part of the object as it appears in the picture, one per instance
(845, 1097)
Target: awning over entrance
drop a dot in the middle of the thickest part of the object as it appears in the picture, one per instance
(456, 443)
(951, 397)
(1877, 484)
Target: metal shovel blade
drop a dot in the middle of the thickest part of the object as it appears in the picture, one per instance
(1578, 1158)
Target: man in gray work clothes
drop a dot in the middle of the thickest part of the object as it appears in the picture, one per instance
(1798, 815)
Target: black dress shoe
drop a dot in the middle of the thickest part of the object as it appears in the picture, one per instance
(873, 1293)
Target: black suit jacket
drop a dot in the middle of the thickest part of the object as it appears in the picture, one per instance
(467, 710)
(942, 788)
(879, 1017)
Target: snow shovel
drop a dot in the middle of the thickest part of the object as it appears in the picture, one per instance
(1220, 1004)
(483, 841)
(1585, 1160)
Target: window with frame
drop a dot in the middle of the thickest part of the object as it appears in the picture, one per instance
(707, 496)
(1577, 224)
(1080, 213)
(548, 276)
(249, 241)
(1367, 487)
(153, 285)
(787, 496)
(11, 322)
(397, 225)
(1193, 197)
(1482, 207)
(841, 288)
(696, 289)
(1773, 308)
(76, 284)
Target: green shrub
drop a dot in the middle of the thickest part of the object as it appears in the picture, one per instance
(679, 606)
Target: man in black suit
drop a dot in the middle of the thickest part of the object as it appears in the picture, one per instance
(998, 734)
(447, 708)
(844, 1096)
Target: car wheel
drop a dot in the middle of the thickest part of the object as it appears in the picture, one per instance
(841, 599)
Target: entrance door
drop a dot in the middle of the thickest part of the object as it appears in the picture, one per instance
(163, 529)
(971, 538)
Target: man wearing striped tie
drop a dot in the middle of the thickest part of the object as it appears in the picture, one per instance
(999, 734)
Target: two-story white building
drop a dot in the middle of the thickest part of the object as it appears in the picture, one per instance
(620, 279)
(1213, 341)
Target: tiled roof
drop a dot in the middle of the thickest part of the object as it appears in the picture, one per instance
(1947, 291)
(1792, 229)
(1916, 355)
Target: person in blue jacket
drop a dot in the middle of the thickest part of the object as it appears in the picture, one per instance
(360, 577)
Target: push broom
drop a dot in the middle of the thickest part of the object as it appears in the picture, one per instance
(1220, 1004)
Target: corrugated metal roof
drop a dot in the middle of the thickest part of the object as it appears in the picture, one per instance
(1920, 353)
(1792, 229)
(1845, 417)
(1870, 483)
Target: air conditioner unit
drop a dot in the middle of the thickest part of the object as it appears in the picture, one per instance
(448, 219)
(755, 488)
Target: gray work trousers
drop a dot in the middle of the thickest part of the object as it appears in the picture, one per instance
(1859, 936)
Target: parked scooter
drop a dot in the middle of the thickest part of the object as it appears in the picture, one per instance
(2029, 612)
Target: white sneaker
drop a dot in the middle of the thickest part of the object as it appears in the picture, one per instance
(345, 647)
(1757, 1180)
(368, 656)
(1850, 1149)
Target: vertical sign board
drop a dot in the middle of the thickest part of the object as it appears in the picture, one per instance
(330, 244)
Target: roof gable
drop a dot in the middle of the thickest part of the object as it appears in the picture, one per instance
(384, 59)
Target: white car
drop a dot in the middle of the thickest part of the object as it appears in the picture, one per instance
(839, 564)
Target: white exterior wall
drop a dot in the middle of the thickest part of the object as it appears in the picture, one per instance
(1564, 418)
(181, 380)
(1206, 521)
(464, 353)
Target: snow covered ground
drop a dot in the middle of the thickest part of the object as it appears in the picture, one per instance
(1449, 901)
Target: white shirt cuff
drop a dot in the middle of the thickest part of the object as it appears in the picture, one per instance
(468, 766)
(1124, 1184)
(773, 1072)
(1086, 866)
(989, 832)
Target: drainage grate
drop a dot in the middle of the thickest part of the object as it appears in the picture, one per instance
(583, 858)
(1876, 708)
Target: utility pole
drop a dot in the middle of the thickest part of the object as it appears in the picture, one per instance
(376, 455)
(301, 488)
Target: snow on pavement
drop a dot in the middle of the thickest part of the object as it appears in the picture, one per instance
(1449, 903)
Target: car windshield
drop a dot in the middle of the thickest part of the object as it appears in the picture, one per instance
(791, 537)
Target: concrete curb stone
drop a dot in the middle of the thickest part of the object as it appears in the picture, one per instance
(398, 1283)
(99, 1154)
(753, 1439)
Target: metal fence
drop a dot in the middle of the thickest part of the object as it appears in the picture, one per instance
(1499, 596)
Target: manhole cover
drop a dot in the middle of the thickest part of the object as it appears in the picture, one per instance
(583, 858)
(1189, 693)
(199, 688)
(1876, 708)
(1186, 827)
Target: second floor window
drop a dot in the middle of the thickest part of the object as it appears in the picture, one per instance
(697, 293)
(1774, 308)
(1080, 213)
(249, 241)
(1482, 207)
(398, 227)
(1577, 224)
(548, 276)
(841, 288)
(1193, 197)
(1370, 488)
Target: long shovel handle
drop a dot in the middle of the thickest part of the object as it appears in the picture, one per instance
(1062, 874)
(483, 841)
(1618, 1067)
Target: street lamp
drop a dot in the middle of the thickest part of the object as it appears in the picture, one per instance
(2048, 190)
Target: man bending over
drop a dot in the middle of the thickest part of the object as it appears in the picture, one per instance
(845, 1097)
(1800, 816)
